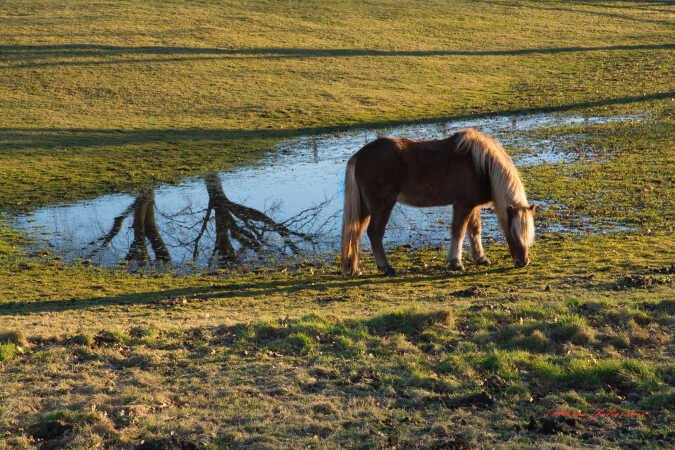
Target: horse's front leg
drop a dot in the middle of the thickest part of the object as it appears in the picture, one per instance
(460, 218)
(474, 237)
(378, 222)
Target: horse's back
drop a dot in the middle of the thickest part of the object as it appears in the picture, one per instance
(381, 159)
(406, 154)
(439, 173)
(420, 173)
(381, 149)
(380, 171)
(432, 159)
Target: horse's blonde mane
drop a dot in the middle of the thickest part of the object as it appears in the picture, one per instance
(490, 158)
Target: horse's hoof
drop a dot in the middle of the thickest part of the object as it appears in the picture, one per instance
(456, 265)
(389, 271)
(483, 261)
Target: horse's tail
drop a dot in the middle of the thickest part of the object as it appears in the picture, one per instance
(354, 221)
(490, 160)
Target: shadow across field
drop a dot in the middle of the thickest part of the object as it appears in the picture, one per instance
(628, 4)
(612, 15)
(245, 290)
(25, 54)
(47, 138)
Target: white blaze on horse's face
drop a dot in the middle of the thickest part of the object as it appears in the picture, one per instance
(521, 227)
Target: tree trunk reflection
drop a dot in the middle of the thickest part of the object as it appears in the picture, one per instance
(238, 231)
(235, 222)
(145, 229)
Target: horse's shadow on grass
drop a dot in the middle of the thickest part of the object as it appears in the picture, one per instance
(239, 290)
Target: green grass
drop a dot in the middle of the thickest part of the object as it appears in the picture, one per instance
(114, 96)
(8, 350)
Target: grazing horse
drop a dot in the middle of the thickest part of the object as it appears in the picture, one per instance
(467, 170)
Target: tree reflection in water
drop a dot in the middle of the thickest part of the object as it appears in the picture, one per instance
(249, 227)
(144, 228)
(237, 231)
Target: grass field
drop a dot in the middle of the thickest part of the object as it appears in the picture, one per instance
(103, 97)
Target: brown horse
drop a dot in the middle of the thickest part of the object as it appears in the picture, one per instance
(468, 170)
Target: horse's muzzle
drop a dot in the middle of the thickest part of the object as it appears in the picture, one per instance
(520, 263)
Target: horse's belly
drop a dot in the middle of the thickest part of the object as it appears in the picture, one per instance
(422, 201)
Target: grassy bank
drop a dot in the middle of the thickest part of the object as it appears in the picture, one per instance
(113, 97)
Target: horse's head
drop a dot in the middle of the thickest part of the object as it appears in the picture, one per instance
(520, 233)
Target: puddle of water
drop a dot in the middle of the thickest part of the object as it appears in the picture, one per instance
(290, 205)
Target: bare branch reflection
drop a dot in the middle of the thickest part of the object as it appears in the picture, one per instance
(237, 232)
(252, 230)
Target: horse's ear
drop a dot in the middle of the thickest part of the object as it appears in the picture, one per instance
(533, 208)
(511, 210)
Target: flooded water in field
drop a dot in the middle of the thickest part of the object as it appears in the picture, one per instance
(287, 207)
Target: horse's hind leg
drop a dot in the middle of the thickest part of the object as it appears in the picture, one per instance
(474, 237)
(460, 218)
(378, 221)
